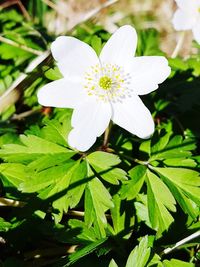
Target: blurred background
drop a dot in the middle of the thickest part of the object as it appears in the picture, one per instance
(60, 16)
(28, 27)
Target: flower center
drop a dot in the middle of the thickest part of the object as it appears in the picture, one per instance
(105, 82)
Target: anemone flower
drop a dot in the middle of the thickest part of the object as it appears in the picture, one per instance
(104, 88)
(187, 17)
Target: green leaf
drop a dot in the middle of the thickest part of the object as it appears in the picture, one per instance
(177, 263)
(60, 192)
(32, 147)
(85, 251)
(160, 200)
(97, 202)
(118, 218)
(139, 256)
(121, 220)
(96, 44)
(53, 74)
(87, 234)
(148, 43)
(15, 173)
(57, 131)
(113, 264)
(103, 163)
(131, 188)
(178, 63)
(40, 180)
(176, 148)
(185, 180)
(63, 184)
(77, 183)
(155, 261)
(180, 162)
(9, 52)
(145, 148)
(142, 209)
(47, 161)
(12, 15)
(8, 138)
(4, 226)
(159, 142)
(103, 157)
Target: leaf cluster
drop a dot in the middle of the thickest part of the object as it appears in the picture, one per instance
(119, 205)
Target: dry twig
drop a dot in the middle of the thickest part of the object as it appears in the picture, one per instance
(9, 3)
(21, 46)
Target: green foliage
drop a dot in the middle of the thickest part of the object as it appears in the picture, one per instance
(96, 44)
(177, 263)
(181, 184)
(159, 203)
(131, 188)
(97, 202)
(4, 226)
(116, 205)
(103, 163)
(148, 43)
(184, 184)
(112, 264)
(140, 254)
(53, 74)
(86, 250)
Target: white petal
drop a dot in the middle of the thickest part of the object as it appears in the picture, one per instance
(89, 120)
(183, 20)
(80, 139)
(133, 116)
(62, 94)
(147, 72)
(186, 4)
(196, 31)
(120, 47)
(73, 56)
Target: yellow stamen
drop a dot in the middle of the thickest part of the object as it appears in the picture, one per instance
(105, 82)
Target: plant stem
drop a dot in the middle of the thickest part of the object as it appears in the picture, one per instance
(28, 49)
(6, 202)
(141, 162)
(182, 242)
(106, 135)
(178, 45)
(25, 114)
(20, 5)
(76, 213)
(14, 92)
(56, 8)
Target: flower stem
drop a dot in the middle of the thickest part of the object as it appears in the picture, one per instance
(107, 134)
(178, 45)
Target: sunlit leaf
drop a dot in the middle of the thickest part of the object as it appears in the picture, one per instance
(140, 254)
(160, 200)
(103, 164)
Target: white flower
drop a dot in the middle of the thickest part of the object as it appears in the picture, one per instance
(187, 17)
(105, 88)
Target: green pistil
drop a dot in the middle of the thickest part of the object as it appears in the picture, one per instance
(105, 82)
